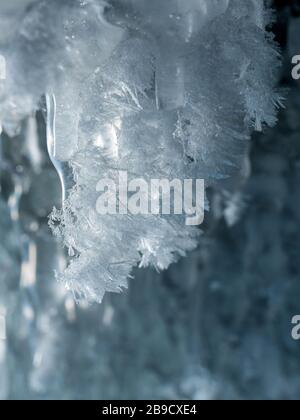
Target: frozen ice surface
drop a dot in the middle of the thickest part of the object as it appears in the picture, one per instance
(161, 89)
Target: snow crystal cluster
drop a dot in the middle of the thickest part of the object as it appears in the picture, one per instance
(160, 89)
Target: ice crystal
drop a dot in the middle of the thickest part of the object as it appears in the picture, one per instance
(161, 89)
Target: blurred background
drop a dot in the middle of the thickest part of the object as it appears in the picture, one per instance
(217, 325)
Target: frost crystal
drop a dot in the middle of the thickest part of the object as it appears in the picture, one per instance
(161, 89)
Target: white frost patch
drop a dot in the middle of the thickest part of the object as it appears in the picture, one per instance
(161, 89)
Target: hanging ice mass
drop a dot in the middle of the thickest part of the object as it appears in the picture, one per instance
(159, 89)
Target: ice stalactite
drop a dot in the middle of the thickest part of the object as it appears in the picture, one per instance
(161, 89)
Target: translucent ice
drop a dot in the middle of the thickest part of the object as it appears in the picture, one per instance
(161, 89)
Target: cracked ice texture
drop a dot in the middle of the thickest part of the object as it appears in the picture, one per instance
(161, 89)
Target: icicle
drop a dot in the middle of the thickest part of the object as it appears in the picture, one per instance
(62, 168)
(32, 143)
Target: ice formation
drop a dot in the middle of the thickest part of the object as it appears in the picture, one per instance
(161, 89)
